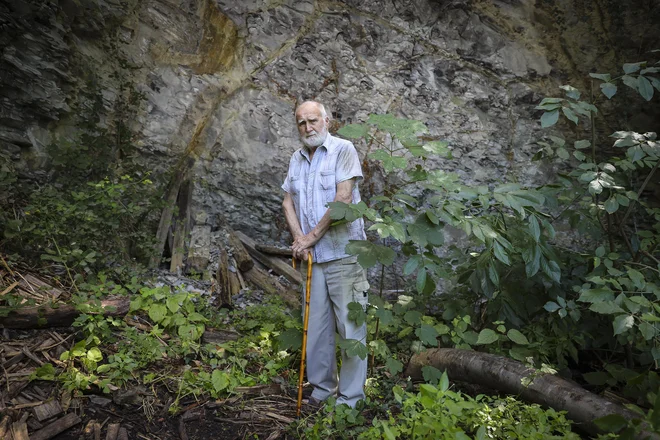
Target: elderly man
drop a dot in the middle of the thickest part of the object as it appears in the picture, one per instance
(327, 169)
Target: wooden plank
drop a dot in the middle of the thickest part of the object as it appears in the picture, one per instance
(19, 430)
(123, 434)
(4, 425)
(242, 257)
(273, 250)
(58, 426)
(112, 432)
(222, 280)
(181, 226)
(278, 266)
(181, 171)
(269, 284)
(234, 283)
(40, 285)
(47, 410)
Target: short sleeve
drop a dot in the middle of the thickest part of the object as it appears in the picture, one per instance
(348, 164)
(286, 186)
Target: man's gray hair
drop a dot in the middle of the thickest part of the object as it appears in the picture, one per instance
(324, 113)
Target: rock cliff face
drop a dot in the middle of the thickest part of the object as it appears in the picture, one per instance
(213, 83)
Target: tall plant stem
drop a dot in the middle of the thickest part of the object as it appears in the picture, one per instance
(380, 295)
(593, 126)
(639, 193)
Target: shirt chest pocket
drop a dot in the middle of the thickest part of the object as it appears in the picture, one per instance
(327, 180)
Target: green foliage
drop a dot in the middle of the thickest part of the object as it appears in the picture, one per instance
(436, 412)
(599, 294)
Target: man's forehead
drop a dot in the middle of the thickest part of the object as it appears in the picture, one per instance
(308, 111)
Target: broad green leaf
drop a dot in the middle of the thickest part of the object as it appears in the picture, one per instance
(645, 88)
(534, 228)
(341, 210)
(413, 317)
(571, 92)
(551, 269)
(412, 264)
(656, 82)
(427, 334)
(570, 114)
(356, 313)
(353, 347)
(431, 374)
(601, 76)
(579, 155)
(562, 153)
(219, 380)
(551, 306)
(608, 89)
(549, 118)
(438, 147)
(393, 366)
(173, 304)
(611, 205)
(390, 162)
(500, 253)
(630, 81)
(596, 295)
(622, 323)
(369, 254)
(606, 308)
(353, 131)
(581, 144)
(637, 278)
(632, 67)
(157, 312)
(486, 336)
(421, 280)
(94, 354)
(423, 232)
(385, 316)
(595, 187)
(647, 330)
(405, 130)
(517, 337)
(290, 339)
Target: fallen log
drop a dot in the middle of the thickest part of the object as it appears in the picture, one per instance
(241, 256)
(278, 266)
(59, 315)
(507, 375)
(269, 284)
(219, 336)
(274, 250)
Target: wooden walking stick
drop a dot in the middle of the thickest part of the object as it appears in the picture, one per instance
(305, 326)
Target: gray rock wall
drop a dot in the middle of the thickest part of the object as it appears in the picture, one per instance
(218, 80)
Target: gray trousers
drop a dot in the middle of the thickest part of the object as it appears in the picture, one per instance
(334, 285)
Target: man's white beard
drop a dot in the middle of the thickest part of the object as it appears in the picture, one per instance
(315, 140)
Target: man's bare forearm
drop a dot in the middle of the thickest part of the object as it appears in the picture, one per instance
(291, 217)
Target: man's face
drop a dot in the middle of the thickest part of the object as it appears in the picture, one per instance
(312, 127)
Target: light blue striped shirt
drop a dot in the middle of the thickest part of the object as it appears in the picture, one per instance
(312, 184)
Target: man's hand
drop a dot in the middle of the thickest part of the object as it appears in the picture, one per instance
(302, 255)
(303, 244)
